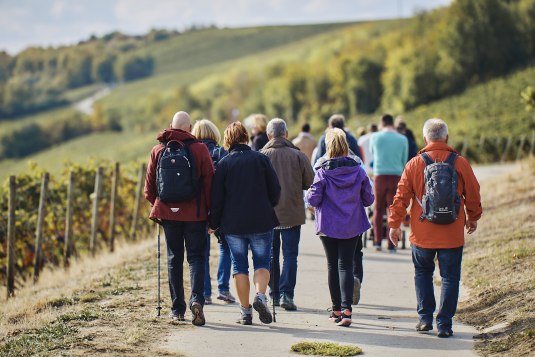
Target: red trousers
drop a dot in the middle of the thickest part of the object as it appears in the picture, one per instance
(384, 188)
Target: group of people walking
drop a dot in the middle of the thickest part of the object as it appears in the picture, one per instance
(252, 194)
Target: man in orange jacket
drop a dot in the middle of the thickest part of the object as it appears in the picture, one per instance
(445, 241)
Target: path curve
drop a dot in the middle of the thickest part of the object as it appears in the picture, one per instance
(86, 105)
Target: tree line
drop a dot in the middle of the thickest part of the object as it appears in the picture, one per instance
(438, 54)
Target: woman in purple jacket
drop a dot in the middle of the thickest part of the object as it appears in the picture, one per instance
(340, 191)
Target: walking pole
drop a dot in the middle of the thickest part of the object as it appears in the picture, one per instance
(159, 308)
(274, 283)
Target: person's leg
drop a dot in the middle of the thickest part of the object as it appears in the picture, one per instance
(223, 272)
(261, 246)
(346, 249)
(330, 245)
(358, 271)
(239, 248)
(207, 280)
(290, 250)
(379, 208)
(424, 266)
(195, 237)
(449, 262)
(275, 267)
(174, 238)
(391, 188)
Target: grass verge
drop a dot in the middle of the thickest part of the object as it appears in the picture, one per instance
(104, 305)
(325, 349)
(499, 262)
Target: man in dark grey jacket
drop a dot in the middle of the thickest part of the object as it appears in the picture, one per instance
(295, 174)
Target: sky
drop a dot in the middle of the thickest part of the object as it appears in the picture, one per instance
(25, 23)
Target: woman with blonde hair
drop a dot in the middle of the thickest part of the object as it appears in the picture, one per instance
(206, 131)
(258, 127)
(340, 191)
(245, 191)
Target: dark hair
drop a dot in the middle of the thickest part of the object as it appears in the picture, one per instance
(372, 128)
(306, 128)
(337, 121)
(387, 120)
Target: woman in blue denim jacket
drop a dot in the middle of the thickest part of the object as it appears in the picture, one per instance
(340, 191)
(209, 135)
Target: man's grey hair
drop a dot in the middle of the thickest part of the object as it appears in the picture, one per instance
(435, 130)
(276, 128)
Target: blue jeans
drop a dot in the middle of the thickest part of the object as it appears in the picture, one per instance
(449, 262)
(207, 280)
(223, 267)
(192, 236)
(260, 244)
(290, 249)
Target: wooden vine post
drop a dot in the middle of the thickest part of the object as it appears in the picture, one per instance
(114, 184)
(39, 228)
(95, 220)
(68, 222)
(135, 214)
(11, 238)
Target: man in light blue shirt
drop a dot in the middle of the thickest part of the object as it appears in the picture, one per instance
(390, 152)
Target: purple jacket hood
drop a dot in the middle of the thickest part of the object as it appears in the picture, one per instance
(339, 194)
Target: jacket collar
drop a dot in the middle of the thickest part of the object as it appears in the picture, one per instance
(239, 147)
(437, 145)
(276, 143)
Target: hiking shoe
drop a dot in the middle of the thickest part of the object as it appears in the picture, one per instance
(226, 296)
(378, 248)
(424, 326)
(197, 314)
(445, 333)
(336, 316)
(177, 317)
(246, 316)
(207, 300)
(287, 303)
(345, 319)
(260, 305)
(392, 250)
(356, 291)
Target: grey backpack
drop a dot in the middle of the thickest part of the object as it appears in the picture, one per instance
(440, 202)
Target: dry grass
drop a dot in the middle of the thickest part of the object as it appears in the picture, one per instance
(499, 266)
(102, 305)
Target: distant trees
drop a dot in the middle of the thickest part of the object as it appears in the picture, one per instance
(36, 78)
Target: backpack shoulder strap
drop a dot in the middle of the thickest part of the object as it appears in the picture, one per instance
(451, 159)
(427, 159)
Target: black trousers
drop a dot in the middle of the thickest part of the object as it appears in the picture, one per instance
(192, 236)
(340, 254)
(358, 271)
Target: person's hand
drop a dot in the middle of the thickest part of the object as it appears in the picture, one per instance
(395, 235)
(471, 226)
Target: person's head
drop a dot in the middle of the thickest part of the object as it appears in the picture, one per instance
(337, 121)
(205, 129)
(182, 121)
(234, 134)
(276, 128)
(372, 128)
(305, 128)
(387, 121)
(435, 130)
(361, 131)
(400, 124)
(259, 123)
(336, 143)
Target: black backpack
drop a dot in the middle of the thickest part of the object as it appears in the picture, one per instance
(176, 175)
(440, 202)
